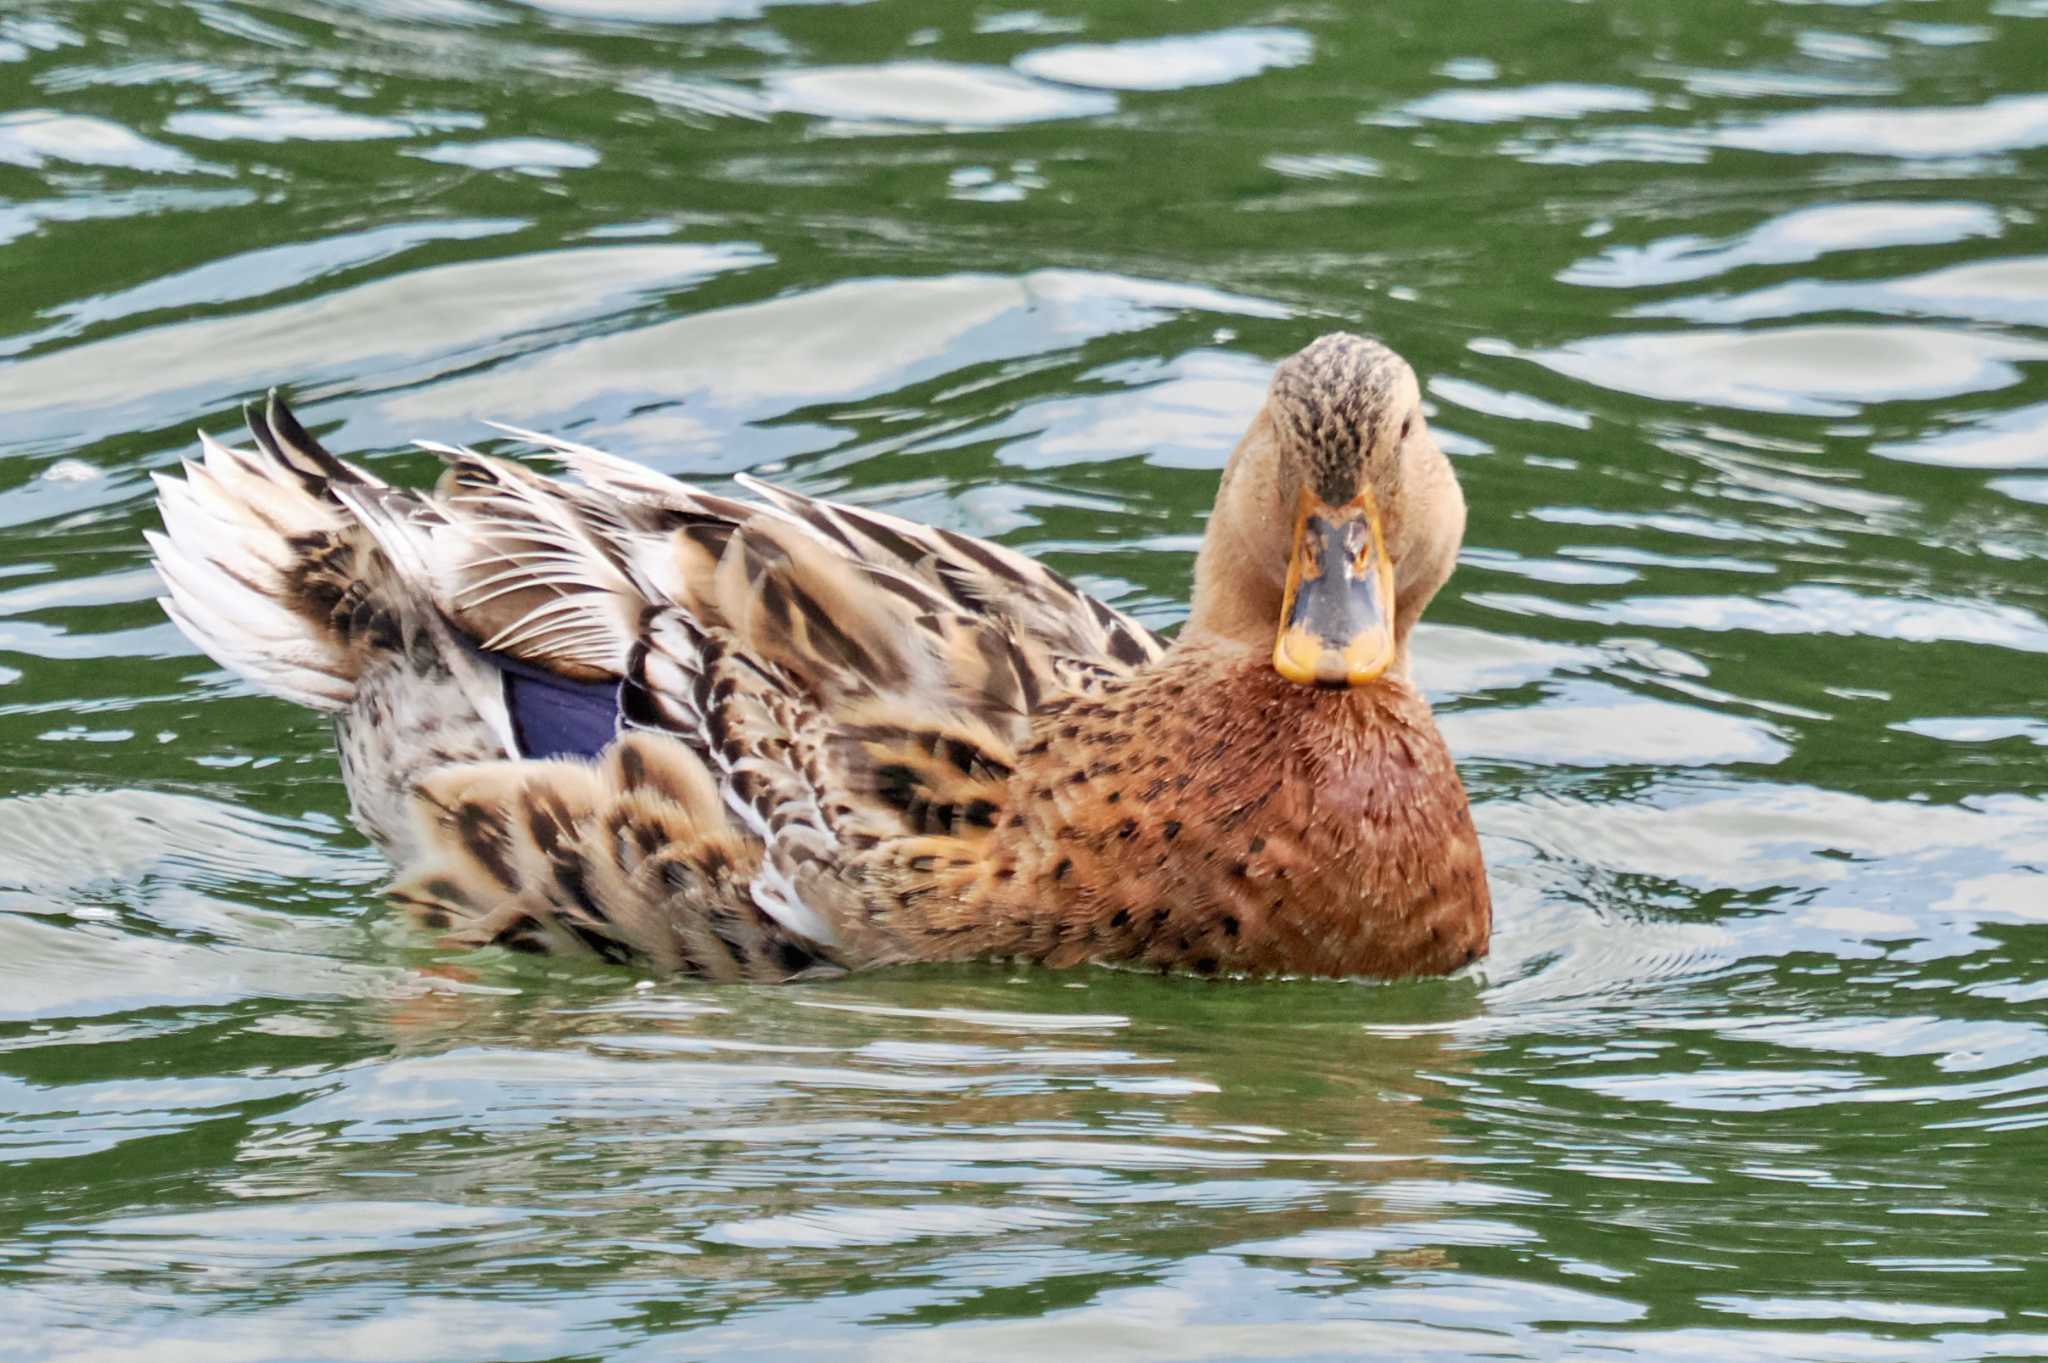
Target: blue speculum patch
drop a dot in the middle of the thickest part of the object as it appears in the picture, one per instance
(553, 716)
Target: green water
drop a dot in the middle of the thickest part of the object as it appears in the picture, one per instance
(1734, 318)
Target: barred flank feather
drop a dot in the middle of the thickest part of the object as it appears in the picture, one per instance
(631, 859)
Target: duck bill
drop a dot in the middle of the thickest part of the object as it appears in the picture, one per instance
(1337, 619)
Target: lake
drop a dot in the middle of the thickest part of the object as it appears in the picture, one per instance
(1733, 317)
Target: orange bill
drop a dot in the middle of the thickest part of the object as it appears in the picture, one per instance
(1337, 619)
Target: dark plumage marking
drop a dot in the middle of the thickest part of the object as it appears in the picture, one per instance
(609, 949)
(916, 593)
(710, 535)
(726, 931)
(483, 832)
(897, 784)
(903, 548)
(1172, 829)
(632, 767)
(522, 935)
(1003, 673)
(636, 703)
(1124, 646)
(572, 878)
(820, 518)
(963, 588)
(980, 553)
(823, 630)
(769, 592)
(1059, 872)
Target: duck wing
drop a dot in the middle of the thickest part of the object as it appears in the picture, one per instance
(855, 686)
(1012, 593)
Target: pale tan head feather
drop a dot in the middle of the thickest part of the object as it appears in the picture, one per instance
(1342, 415)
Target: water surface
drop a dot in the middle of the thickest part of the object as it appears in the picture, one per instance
(1734, 318)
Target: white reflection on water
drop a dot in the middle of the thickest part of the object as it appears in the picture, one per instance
(2006, 124)
(1170, 63)
(1795, 238)
(37, 137)
(944, 94)
(843, 342)
(1820, 370)
(1559, 100)
(398, 324)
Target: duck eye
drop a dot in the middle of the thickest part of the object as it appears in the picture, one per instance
(1407, 425)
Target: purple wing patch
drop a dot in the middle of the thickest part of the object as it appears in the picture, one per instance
(553, 716)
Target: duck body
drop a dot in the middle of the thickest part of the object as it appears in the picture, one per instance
(761, 739)
(1140, 828)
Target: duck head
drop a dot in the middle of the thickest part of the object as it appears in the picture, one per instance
(1337, 520)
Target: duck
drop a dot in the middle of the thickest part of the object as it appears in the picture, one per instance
(771, 737)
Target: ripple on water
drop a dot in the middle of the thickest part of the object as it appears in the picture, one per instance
(663, 11)
(1561, 100)
(1184, 413)
(2012, 439)
(1170, 63)
(252, 274)
(843, 1227)
(272, 120)
(858, 339)
(1810, 610)
(1795, 238)
(176, 371)
(1820, 370)
(929, 93)
(2013, 292)
(533, 155)
(1593, 725)
(39, 137)
(2009, 123)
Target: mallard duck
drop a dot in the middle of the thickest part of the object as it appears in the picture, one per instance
(761, 739)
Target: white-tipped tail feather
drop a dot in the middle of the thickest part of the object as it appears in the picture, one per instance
(232, 556)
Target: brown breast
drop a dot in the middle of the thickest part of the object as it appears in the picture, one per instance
(1210, 815)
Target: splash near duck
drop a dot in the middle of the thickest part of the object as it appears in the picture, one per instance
(760, 739)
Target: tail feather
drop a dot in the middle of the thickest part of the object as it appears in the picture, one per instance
(291, 446)
(258, 561)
